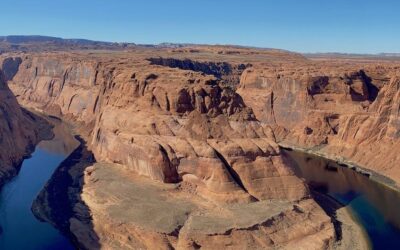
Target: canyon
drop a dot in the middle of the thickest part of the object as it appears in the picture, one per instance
(20, 131)
(181, 147)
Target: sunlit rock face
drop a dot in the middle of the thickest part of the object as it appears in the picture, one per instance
(166, 123)
(350, 111)
(203, 126)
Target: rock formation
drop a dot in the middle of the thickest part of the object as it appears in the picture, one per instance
(165, 216)
(347, 111)
(164, 123)
(186, 140)
(20, 130)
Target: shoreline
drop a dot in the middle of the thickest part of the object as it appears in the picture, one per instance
(342, 215)
(45, 133)
(353, 228)
(44, 211)
(346, 226)
(370, 174)
(30, 178)
(56, 201)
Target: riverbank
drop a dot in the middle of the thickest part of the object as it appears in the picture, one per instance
(107, 205)
(371, 203)
(346, 227)
(56, 202)
(17, 195)
(60, 203)
(371, 174)
(351, 230)
(44, 132)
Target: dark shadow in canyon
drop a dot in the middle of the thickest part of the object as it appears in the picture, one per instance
(372, 89)
(235, 176)
(10, 67)
(329, 205)
(228, 73)
(60, 200)
(323, 85)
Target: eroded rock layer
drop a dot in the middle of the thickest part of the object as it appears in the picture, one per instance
(347, 111)
(164, 123)
(165, 217)
(174, 126)
(20, 131)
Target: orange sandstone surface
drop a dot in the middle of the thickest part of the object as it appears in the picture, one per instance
(187, 140)
(20, 131)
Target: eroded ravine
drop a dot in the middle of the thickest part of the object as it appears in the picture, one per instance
(16, 197)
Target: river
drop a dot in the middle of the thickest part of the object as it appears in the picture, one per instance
(374, 206)
(20, 228)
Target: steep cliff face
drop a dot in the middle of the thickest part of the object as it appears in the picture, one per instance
(348, 111)
(164, 123)
(60, 86)
(20, 130)
(176, 126)
(180, 137)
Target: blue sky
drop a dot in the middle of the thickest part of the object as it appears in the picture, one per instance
(354, 26)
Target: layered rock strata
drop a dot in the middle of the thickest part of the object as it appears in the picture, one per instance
(349, 112)
(164, 217)
(174, 130)
(164, 123)
(20, 131)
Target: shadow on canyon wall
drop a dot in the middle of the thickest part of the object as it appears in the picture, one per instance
(10, 67)
(228, 73)
(60, 203)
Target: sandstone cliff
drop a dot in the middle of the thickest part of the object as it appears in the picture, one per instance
(347, 111)
(20, 130)
(164, 123)
(206, 140)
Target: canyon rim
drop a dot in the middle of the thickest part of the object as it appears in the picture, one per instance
(203, 144)
(182, 147)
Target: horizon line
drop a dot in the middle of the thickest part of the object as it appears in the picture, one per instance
(383, 53)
